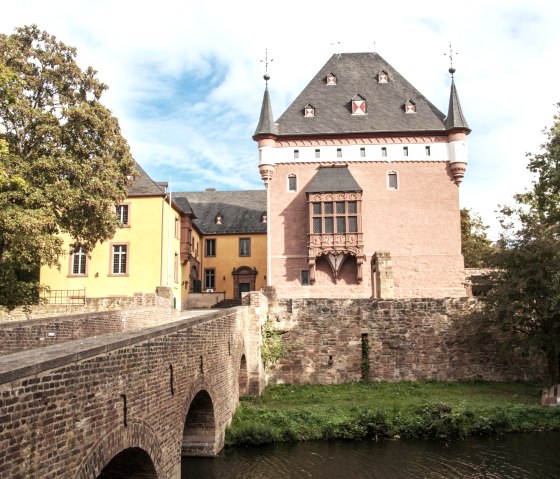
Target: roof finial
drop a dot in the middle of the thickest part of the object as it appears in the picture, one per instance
(266, 76)
(374, 46)
(450, 55)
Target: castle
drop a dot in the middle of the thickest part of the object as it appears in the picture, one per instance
(362, 175)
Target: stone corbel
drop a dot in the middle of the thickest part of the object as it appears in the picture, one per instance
(311, 270)
(359, 263)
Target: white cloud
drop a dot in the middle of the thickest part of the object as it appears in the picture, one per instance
(186, 81)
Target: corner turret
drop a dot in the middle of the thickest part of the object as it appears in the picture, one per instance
(457, 131)
(265, 135)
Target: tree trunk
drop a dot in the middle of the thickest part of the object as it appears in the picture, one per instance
(553, 366)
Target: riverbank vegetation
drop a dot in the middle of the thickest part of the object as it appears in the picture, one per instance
(375, 410)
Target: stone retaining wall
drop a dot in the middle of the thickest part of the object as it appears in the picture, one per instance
(412, 339)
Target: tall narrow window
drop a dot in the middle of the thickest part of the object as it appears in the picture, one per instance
(305, 277)
(79, 259)
(428, 152)
(210, 247)
(123, 215)
(339, 152)
(383, 151)
(405, 150)
(317, 153)
(292, 183)
(362, 152)
(209, 278)
(393, 180)
(177, 227)
(176, 268)
(296, 154)
(244, 246)
(120, 259)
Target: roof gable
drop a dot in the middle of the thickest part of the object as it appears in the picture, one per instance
(143, 185)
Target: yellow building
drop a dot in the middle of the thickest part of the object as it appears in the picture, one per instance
(228, 239)
(143, 254)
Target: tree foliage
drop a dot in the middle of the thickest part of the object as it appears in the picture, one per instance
(476, 247)
(524, 302)
(64, 163)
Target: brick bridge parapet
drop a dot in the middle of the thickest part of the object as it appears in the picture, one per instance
(128, 404)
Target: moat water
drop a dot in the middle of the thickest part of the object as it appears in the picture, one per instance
(515, 456)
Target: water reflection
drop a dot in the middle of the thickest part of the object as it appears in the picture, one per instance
(526, 456)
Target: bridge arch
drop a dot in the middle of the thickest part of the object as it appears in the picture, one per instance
(130, 463)
(201, 436)
(243, 377)
(123, 445)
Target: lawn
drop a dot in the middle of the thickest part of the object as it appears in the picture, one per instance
(430, 409)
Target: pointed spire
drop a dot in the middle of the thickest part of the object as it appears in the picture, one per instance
(455, 118)
(266, 124)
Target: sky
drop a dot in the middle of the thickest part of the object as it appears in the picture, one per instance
(185, 76)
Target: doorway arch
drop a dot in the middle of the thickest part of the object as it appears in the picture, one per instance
(244, 279)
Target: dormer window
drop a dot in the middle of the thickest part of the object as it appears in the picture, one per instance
(264, 217)
(309, 111)
(219, 219)
(331, 79)
(409, 106)
(382, 77)
(359, 105)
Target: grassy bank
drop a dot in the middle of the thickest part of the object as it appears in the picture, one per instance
(371, 410)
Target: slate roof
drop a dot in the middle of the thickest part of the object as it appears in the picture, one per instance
(330, 179)
(356, 73)
(241, 210)
(455, 117)
(183, 204)
(266, 121)
(143, 185)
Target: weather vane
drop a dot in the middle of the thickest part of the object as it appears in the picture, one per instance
(335, 43)
(450, 55)
(266, 76)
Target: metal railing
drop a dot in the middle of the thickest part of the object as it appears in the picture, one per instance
(65, 296)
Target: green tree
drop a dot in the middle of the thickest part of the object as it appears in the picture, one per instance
(524, 302)
(475, 245)
(63, 161)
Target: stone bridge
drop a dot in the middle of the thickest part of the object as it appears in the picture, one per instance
(128, 404)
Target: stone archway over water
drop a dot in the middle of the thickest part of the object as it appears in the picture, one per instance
(243, 377)
(199, 433)
(131, 463)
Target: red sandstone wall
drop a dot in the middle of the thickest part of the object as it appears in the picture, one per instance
(419, 224)
(408, 340)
